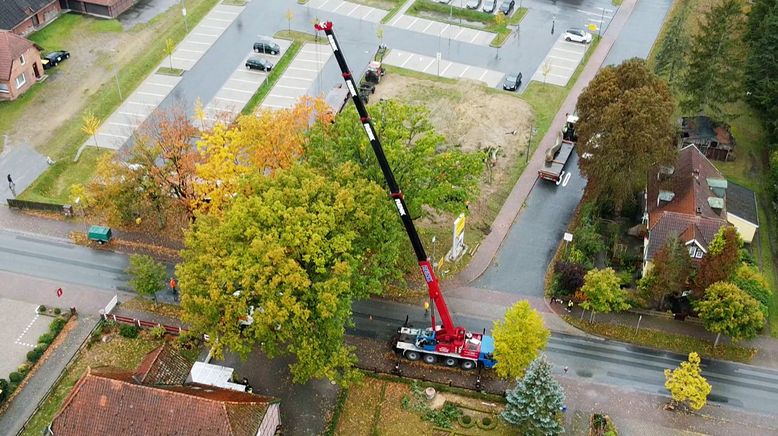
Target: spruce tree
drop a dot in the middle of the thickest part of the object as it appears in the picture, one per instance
(535, 403)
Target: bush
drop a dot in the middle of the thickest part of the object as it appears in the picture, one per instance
(4, 389)
(34, 355)
(157, 332)
(41, 348)
(465, 421)
(16, 377)
(128, 331)
(56, 326)
(57, 311)
(487, 423)
(41, 308)
(570, 277)
(23, 368)
(109, 326)
(46, 338)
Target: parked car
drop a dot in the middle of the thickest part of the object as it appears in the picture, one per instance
(473, 4)
(507, 7)
(52, 59)
(489, 6)
(578, 35)
(258, 63)
(512, 82)
(266, 45)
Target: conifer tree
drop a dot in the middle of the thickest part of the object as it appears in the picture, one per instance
(535, 403)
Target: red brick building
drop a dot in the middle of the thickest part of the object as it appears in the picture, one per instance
(98, 8)
(24, 16)
(20, 65)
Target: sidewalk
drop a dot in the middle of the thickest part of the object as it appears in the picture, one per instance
(767, 347)
(26, 402)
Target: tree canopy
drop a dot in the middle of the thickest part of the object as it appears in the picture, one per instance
(722, 259)
(147, 275)
(291, 252)
(714, 76)
(670, 274)
(602, 291)
(686, 385)
(429, 172)
(626, 127)
(535, 403)
(728, 310)
(517, 339)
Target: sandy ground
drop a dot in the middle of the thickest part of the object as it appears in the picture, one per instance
(471, 117)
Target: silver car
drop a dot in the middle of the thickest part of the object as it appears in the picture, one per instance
(489, 6)
(473, 4)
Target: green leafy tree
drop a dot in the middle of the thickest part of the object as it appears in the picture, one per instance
(671, 55)
(517, 339)
(721, 261)
(535, 403)
(715, 74)
(148, 275)
(727, 309)
(670, 274)
(602, 292)
(281, 266)
(753, 283)
(430, 172)
(620, 101)
(686, 385)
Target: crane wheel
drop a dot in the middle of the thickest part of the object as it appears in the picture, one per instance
(468, 364)
(450, 361)
(430, 358)
(412, 355)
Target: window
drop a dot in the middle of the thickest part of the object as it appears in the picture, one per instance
(695, 252)
(21, 59)
(4, 88)
(20, 81)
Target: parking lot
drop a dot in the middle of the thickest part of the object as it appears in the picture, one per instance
(22, 327)
(444, 68)
(560, 62)
(353, 10)
(298, 77)
(200, 39)
(443, 30)
(239, 88)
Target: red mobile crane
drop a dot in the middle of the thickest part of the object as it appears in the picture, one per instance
(452, 344)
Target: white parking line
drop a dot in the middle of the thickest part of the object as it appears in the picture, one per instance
(197, 42)
(223, 20)
(464, 71)
(444, 29)
(413, 22)
(443, 73)
(253, 82)
(238, 90)
(141, 104)
(288, 97)
(273, 106)
(429, 65)
(292, 87)
(133, 114)
(474, 37)
(428, 26)
(114, 123)
(352, 11)
(302, 79)
(166, 85)
(208, 35)
(406, 61)
(111, 134)
(211, 27)
(458, 33)
(190, 51)
(482, 75)
(229, 99)
(150, 93)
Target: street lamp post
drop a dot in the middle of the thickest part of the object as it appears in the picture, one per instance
(532, 131)
(116, 76)
(183, 12)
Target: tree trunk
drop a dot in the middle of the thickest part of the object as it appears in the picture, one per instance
(716, 342)
(591, 317)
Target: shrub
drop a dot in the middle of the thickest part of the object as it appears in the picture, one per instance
(465, 421)
(57, 311)
(46, 338)
(4, 389)
(16, 377)
(128, 331)
(41, 348)
(41, 308)
(157, 332)
(570, 277)
(34, 355)
(56, 326)
(109, 326)
(23, 368)
(487, 423)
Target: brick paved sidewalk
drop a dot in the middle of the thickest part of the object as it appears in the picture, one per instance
(25, 403)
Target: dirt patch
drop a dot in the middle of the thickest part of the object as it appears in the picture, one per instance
(471, 117)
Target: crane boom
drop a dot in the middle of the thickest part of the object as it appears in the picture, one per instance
(448, 334)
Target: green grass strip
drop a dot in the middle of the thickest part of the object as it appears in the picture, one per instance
(657, 339)
(51, 187)
(272, 78)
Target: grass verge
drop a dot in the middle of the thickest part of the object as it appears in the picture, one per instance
(167, 71)
(272, 78)
(119, 352)
(386, 5)
(53, 185)
(51, 36)
(301, 37)
(235, 2)
(144, 305)
(664, 341)
(392, 12)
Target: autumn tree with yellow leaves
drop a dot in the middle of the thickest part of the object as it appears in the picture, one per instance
(686, 385)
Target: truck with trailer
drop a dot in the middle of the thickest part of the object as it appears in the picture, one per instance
(445, 343)
(558, 155)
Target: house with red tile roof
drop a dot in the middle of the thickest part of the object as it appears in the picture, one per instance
(20, 65)
(692, 201)
(153, 401)
(24, 16)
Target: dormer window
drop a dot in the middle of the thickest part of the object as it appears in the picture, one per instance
(695, 252)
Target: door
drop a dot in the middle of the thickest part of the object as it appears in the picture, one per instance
(35, 70)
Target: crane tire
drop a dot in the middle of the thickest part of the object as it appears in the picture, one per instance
(450, 361)
(412, 355)
(468, 364)
(430, 358)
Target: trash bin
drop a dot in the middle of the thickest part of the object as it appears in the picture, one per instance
(99, 234)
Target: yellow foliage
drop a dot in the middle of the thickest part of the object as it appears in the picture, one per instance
(686, 385)
(518, 339)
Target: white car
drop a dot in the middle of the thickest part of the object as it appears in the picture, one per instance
(578, 35)
(490, 6)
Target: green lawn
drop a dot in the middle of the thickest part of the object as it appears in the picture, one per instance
(54, 184)
(71, 25)
(664, 341)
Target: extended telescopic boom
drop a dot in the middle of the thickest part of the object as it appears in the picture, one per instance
(448, 333)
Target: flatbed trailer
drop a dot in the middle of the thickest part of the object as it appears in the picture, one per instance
(552, 170)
